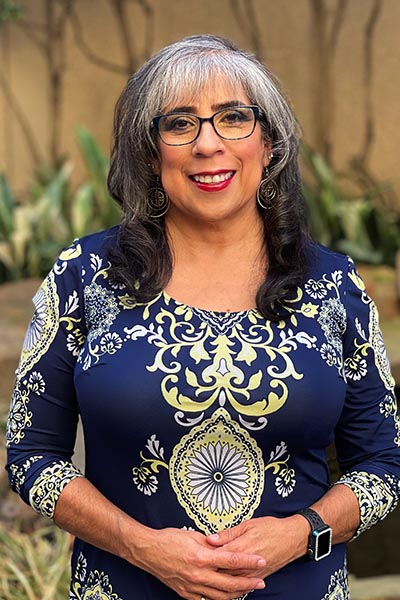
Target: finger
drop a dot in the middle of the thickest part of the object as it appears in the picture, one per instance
(223, 586)
(243, 573)
(224, 537)
(236, 560)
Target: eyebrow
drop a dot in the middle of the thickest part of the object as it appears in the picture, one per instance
(215, 107)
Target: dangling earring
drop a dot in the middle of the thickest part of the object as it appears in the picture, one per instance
(267, 190)
(158, 200)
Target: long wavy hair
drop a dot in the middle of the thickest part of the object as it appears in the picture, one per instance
(142, 259)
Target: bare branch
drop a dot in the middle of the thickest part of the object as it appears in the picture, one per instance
(359, 162)
(321, 97)
(86, 51)
(66, 8)
(149, 29)
(23, 122)
(240, 19)
(369, 33)
(127, 37)
(254, 30)
(337, 25)
(246, 19)
(57, 14)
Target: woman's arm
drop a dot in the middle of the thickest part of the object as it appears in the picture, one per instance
(43, 417)
(181, 559)
(368, 449)
(41, 435)
(283, 540)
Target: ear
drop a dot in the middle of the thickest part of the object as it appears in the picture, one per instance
(154, 166)
(267, 153)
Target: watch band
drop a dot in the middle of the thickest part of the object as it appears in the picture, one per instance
(312, 517)
(320, 538)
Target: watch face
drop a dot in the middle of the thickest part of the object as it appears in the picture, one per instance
(323, 543)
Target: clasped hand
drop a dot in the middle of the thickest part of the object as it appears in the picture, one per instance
(225, 565)
(278, 541)
(186, 562)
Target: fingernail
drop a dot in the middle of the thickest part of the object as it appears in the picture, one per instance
(261, 563)
(213, 536)
(260, 585)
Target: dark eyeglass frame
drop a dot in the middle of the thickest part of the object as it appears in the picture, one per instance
(256, 111)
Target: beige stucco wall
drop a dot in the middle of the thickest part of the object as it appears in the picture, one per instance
(287, 36)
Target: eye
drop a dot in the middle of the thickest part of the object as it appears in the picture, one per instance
(178, 123)
(235, 116)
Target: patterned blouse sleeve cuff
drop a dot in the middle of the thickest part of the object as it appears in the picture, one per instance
(377, 496)
(47, 488)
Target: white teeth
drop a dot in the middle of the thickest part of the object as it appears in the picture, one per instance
(213, 178)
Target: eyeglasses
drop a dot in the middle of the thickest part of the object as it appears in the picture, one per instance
(180, 128)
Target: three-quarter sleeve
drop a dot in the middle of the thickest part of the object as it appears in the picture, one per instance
(368, 433)
(42, 422)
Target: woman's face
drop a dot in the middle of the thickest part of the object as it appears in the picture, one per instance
(235, 165)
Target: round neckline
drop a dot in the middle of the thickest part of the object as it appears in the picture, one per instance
(169, 298)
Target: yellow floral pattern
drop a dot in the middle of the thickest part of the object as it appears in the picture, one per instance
(380, 356)
(212, 417)
(93, 586)
(376, 496)
(43, 326)
(338, 586)
(48, 486)
(388, 408)
(217, 473)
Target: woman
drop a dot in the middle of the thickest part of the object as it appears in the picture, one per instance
(213, 352)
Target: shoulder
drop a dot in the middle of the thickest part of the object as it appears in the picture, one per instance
(100, 241)
(77, 263)
(96, 244)
(321, 261)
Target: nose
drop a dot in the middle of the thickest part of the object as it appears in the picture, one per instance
(208, 141)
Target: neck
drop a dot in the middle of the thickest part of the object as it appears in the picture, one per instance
(193, 238)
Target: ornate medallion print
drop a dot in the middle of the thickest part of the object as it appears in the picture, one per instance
(380, 356)
(217, 473)
(95, 586)
(48, 486)
(19, 472)
(20, 417)
(43, 326)
(338, 586)
(221, 323)
(376, 497)
(388, 408)
(332, 319)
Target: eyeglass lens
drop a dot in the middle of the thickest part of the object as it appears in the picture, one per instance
(183, 128)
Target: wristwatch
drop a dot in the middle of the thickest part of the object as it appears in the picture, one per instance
(320, 540)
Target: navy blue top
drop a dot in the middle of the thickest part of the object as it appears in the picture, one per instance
(201, 419)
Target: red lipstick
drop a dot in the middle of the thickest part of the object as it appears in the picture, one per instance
(212, 181)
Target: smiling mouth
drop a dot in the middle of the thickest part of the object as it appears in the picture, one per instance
(217, 178)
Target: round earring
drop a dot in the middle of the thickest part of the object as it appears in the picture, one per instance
(270, 155)
(267, 190)
(158, 200)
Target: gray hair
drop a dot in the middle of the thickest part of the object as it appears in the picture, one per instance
(184, 69)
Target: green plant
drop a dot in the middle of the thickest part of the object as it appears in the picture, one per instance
(101, 206)
(35, 228)
(353, 222)
(9, 11)
(35, 565)
(32, 231)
